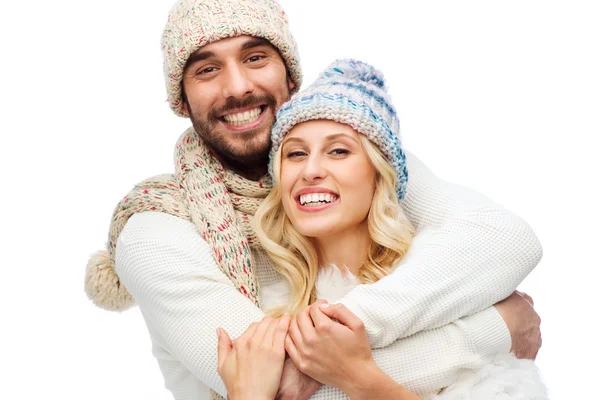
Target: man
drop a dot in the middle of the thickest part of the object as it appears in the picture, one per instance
(184, 248)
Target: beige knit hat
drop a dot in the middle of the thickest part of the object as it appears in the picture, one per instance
(195, 23)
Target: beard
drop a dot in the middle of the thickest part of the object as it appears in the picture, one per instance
(249, 149)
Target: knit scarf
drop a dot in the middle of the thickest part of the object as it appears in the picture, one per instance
(220, 203)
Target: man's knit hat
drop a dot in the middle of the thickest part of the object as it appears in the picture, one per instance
(350, 92)
(196, 23)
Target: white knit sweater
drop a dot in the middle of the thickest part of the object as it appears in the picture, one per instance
(476, 255)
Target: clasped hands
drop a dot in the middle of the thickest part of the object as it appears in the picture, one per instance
(325, 344)
(328, 344)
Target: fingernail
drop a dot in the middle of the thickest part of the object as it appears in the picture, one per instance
(219, 333)
(324, 305)
(286, 314)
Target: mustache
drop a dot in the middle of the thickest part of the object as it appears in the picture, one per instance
(233, 103)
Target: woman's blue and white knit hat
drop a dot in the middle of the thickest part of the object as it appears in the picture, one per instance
(350, 92)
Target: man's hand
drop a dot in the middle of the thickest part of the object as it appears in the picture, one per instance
(294, 384)
(523, 323)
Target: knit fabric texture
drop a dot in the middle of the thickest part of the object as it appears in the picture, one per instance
(184, 295)
(354, 93)
(220, 203)
(479, 251)
(196, 23)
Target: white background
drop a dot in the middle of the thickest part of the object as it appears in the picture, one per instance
(503, 97)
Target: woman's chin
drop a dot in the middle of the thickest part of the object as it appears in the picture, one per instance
(316, 231)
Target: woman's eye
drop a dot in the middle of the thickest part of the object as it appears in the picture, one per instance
(339, 152)
(295, 154)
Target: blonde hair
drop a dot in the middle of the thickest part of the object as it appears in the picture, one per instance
(295, 257)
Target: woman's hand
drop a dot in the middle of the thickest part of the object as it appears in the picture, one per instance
(338, 353)
(251, 367)
(333, 353)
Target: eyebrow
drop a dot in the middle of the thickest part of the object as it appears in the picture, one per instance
(329, 138)
(335, 136)
(204, 55)
(198, 56)
(255, 42)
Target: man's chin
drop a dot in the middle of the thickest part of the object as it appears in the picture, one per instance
(250, 147)
(253, 157)
(245, 144)
(250, 151)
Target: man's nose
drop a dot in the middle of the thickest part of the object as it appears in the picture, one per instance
(236, 82)
(314, 169)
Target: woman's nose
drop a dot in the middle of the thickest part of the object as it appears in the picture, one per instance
(314, 169)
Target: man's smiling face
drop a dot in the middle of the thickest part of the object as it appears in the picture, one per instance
(233, 88)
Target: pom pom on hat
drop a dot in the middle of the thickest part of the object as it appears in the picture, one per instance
(353, 70)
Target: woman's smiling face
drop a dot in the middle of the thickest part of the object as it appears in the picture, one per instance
(327, 179)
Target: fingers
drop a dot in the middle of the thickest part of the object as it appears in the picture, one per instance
(295, 334)
(263, 327)
(305, 323)
(526, 297)
(249, 332)
(223, 347)
(321, 321)
(292, 350)
(243, 343)
(343, 315)
(280, 331)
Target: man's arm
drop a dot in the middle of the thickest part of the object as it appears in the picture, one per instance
(428, 361)
(476, 254)
(423, 363)
(183, 295)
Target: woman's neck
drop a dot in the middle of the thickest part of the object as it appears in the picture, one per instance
(349, 248)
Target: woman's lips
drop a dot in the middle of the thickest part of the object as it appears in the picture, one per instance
(317, 207)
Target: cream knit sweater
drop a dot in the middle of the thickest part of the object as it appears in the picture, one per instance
(476, 254)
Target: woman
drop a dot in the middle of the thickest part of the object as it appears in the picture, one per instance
(333, 221)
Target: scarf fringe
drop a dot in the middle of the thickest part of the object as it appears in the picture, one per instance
(102, 284)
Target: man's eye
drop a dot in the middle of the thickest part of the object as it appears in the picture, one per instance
(206, 70)
(254, 59)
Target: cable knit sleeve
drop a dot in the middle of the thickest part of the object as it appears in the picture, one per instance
(476, 254)
(184, 297)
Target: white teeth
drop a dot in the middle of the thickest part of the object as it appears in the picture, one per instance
(243, 117)
(315, 199)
